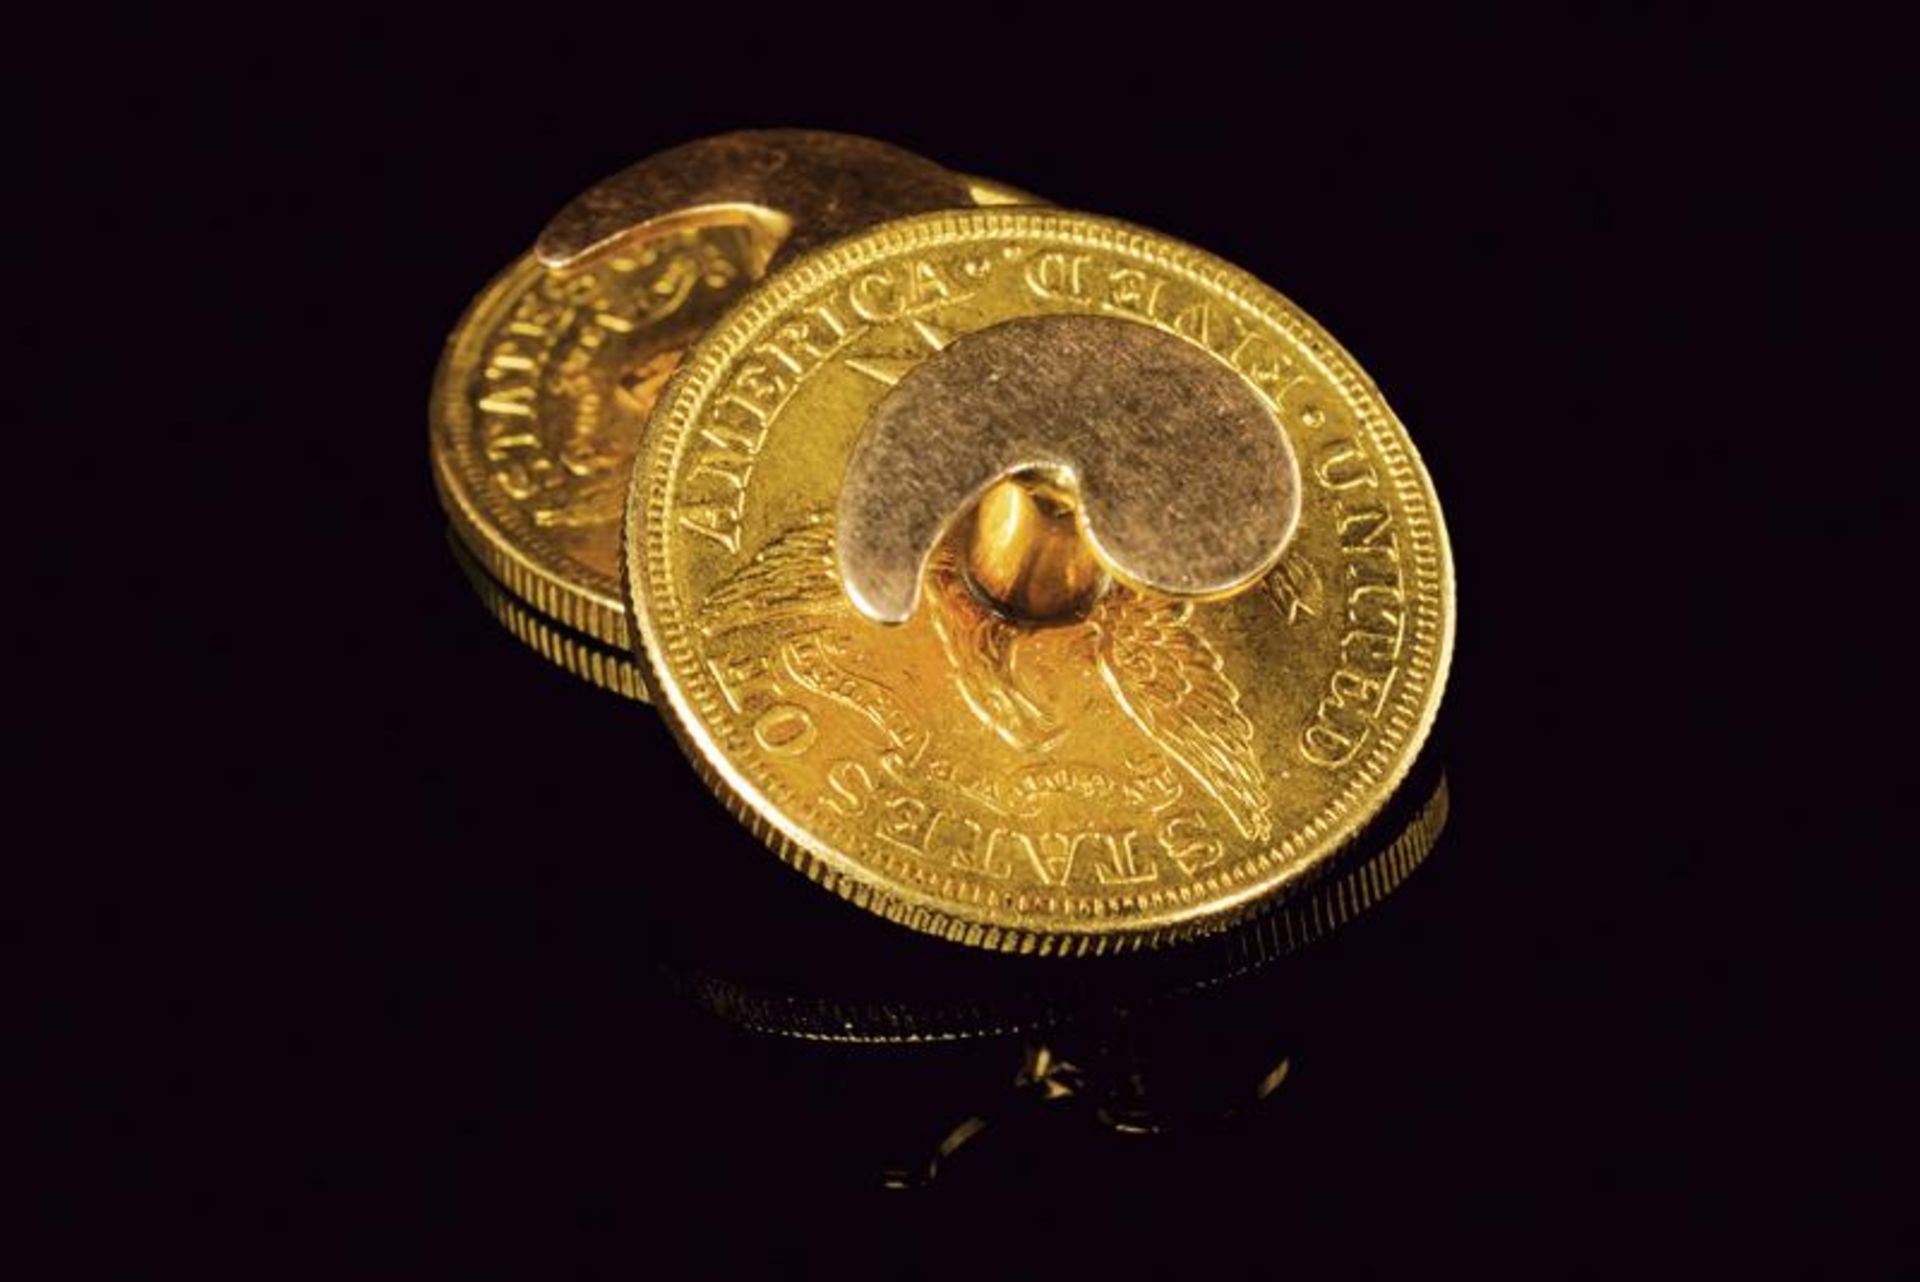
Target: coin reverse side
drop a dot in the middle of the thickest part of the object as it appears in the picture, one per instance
(1156, 770)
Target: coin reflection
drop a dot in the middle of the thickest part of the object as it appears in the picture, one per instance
(980, 1064)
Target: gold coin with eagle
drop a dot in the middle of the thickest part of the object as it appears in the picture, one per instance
(1038, 581)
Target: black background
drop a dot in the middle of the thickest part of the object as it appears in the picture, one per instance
(414, 993)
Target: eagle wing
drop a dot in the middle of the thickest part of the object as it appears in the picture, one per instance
(791, 588)
(1168, 679)
(791, 579)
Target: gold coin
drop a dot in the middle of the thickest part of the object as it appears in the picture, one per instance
(1156, 769)
(540, 398)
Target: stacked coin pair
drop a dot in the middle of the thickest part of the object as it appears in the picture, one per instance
(1024, 576)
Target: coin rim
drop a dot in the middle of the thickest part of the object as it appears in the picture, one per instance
(643, 564)
(1303, 919)
(596, 607)
(607, 667)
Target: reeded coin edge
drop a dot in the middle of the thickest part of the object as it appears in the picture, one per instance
(578, 655)
(595, 604)
(1121, 924)
(1302, 920)
(1330, 902)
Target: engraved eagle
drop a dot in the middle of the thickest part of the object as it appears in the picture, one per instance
(789, 592)
(1169, 680)
(1148, 653)
(1166, 677)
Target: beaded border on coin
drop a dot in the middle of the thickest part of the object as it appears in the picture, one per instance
(1300, 921)
(665, 640)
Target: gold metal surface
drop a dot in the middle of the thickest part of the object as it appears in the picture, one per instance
(540, 398)
(1183, 482)
(1157, 770)
(1024, 552)
(987, 191)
